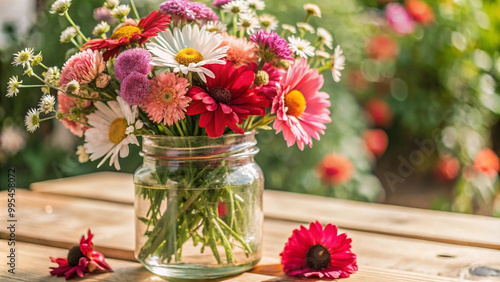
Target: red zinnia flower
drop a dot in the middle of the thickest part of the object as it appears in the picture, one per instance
(227, 101)
(487, 161)
(420, 11)
(376, 141)
(318, 252)
(447, 168)
(81, 259)
(130, 32)
(334, 169)
(380, 112)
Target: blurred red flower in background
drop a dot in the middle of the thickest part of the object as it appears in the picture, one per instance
(487, 161)
(382, 47)
(379, 111)
(334, 169)
(420, 11)
(447, 168)
(376, 141)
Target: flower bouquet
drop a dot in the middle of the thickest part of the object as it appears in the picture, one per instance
(196, 84)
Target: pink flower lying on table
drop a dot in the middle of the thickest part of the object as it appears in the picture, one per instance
(318, 251)
(81, 259)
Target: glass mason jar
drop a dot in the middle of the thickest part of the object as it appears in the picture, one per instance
(198, 206)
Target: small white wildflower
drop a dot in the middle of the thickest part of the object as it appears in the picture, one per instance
(60, 7)
(12, 140)
(236, 7)
(216, 27)
(83, 157)
(289, 28)
(312, 9)
(268, 22)
(13, 86)
(322, 55)
(46, 104)
(301, 47)
(37, 59)
(248, 23)
(121, 12)
(23, 57)
(338, 63)
(307, 27)
(28, 71)
(100, 29)
(52, 76)
(256, 5)
(67, 34)
(325, 37)
(73, 87)
(111, 4)
(32, 120)
(46, 90)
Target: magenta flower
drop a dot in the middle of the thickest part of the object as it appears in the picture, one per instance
(184, 10)
(271, 45)
(220, 3)
(399, 19)
(133, 60)
(134, 88)
(82, 259)
(320, 252)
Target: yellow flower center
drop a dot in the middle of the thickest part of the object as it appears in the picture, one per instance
(295, 102)
(167, 97)
(126, 31)
(187, 56)
(117, 130)
(24, 57)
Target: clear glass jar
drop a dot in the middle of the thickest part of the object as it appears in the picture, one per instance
(198, 206)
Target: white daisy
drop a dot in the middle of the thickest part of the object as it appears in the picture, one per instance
(47, 103)
(312, 9)
(23, 57)
(32, 120)
(60, 7)
(13, 86)
(338, 63)
(301, 47)
(101, 28)
(188, 50)
(289, 28)
(307, 27)
(256, 5)
(108, 136)
(236, 7)
(268, 22)
(322, 55)
(67, 34)
(248, 22)
(325, 37)
(217, 27)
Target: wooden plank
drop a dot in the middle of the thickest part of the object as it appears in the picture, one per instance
(112, 225)
(462, 229)
(33, 265)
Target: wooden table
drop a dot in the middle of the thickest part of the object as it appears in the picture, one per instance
(392, 243)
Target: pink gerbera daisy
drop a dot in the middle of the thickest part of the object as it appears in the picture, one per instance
(301, 111)
(320, 252)
(166, 100)
(241, 51)
(81, 259)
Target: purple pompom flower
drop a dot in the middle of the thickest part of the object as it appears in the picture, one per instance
(271, 45)
(220, 3)
(399, 19)
(184, 10)
(133, 60)
(134, 88)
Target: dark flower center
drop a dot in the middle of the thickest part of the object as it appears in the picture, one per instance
(221, 95)
(74, 256)
(318, 257)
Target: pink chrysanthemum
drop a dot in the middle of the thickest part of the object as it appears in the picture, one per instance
(320, 252)
(134, 88)
(64, 106)
(184, 10)
(81, 259)
(103, 14)
(399, 19)
(301, 111)
(241, 52)
(166, 100)
(82, 67)
(220, 3)
(133, 60)
(271, 45)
